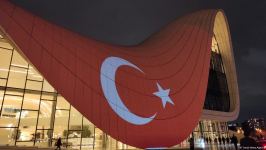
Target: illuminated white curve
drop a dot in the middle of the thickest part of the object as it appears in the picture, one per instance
(108, 71)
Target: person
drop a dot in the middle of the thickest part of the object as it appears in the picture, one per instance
(210, 140)
(58, 143)
(207, 140)
(228, 140)
(220, 140)
(215, 141)
(234, 141)
(191, 143)
(223, 139)
(248, 141)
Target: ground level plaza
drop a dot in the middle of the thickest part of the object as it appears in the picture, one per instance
(32, 113)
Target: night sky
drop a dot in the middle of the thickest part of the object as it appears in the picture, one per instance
(129, 22)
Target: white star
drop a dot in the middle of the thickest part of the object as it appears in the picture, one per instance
(164, 95)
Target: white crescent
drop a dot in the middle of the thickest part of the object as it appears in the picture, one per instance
(108, 71)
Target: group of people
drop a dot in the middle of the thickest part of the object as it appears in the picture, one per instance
(220, 140)
(249, 141)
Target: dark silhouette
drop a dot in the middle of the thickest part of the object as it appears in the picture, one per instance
(228, 140)
(207, 140)
(234, 141)
(248, 142)
(191, 143)
(210, 140)
(220, 140)
(58, 144)
(215, 141)
(223, 139)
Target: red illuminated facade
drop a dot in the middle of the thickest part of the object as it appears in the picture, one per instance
(177, 57)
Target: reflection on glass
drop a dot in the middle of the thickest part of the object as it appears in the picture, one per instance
(12, 91)
(75, 122)
(5, 45)
(61, 123)
(34, 85)
(17, 77)
(27, 125)
(5, 56)
(87, 134)
(62, 103)
(48, 96)
(2, 82)
(99, 139)
(31, 100)
(47, 87)
(24, 143)
(74, 143)
(7, 136)
(43, 138)
(34, 75)
(18, 60)
(1, 98)
(45, 114)
(10, 111)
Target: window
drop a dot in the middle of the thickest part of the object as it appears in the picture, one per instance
(17, 77)
(31, 101)
(5, 56)
(10, 111)
(45, 114)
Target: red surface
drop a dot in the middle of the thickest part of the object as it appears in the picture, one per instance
(177, 57)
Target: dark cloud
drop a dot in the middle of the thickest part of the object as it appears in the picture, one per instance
(129, 22)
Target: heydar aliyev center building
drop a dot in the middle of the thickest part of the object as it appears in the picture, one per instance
(178, 83)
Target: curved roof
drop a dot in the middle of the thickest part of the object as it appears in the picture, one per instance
(223, 38)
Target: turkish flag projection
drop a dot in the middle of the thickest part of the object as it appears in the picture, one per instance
(149, 95)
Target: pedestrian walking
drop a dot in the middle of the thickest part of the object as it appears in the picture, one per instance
(191, 143)
(58, 143)
(223, 139)
(234, 141)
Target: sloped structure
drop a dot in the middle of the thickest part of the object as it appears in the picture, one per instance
(149, 95)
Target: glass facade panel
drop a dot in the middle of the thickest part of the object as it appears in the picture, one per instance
(48, 96)
(34, 75)
(1, 92)
(17, 77)
(27, 125)
(34, 85)
(43, 138)
(18, 61)
(47, 87)
(75, 122)
(15, 92)
(87, 134)
(2, 82)
(217, 96)
(45, 114)
(99, 139)
(5, 56)
(5, 45)
(31, 100)
(7, 136)
(61, 123)
(10, 111)
(74, 143)
(26, 144)
(62, 103)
